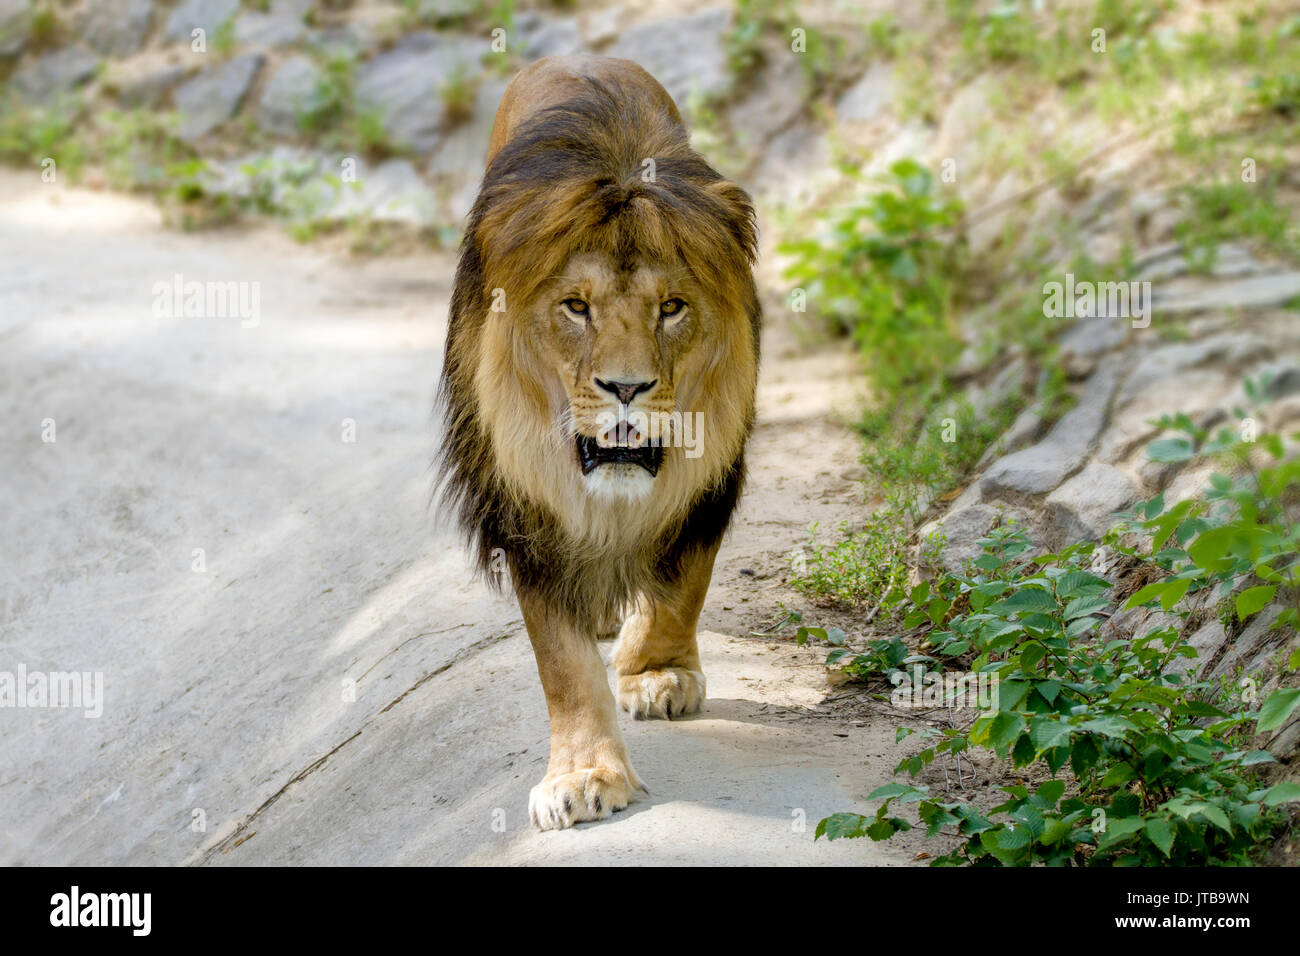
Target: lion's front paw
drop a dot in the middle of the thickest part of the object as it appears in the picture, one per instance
(667, 692)
(561, 801)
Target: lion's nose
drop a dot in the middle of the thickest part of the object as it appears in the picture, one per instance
(626, 391)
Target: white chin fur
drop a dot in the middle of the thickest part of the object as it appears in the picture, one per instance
(619, 482)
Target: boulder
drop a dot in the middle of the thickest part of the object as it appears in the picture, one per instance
(393, 192)
(1246, 292)
(215, 95)
(293, 90)
(1208, 640)
(117, 27)
(685, 54)
(552, 37)
(1041, 468)
(867, 98)
(1251, 647)
(962, 529)
(54, 74)
(1081, 509)
(148, 86)
(404, 86)
(207, 15)
(15, 27)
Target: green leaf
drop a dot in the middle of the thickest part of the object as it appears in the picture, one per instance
(1253, 600)
(891, 790)
(1216, 816)
(1075, 583)
(1026, 601)
(1278, 709)
(1005, 729)
(1171, 449)
(1174, 593)
(1147, 594)
(840, 826)
(1118, 830)
(1083, 606)
(1212, 546)
(1287, 792)
(1109, 726)
(1047, 732)
(1160, 832)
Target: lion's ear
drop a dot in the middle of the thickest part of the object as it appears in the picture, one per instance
(739, 215)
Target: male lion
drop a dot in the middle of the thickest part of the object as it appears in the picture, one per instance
(604, 307)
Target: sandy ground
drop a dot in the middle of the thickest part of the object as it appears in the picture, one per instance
(297, 664)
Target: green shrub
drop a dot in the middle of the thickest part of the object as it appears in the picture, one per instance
(883, 273)
(1148, 766)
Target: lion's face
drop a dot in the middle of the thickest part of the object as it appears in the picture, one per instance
(620, 337)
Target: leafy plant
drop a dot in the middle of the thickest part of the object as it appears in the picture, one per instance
(863, 564)
(1148, 764)
(882, 273)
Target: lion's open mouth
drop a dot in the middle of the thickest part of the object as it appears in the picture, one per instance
(592, 453)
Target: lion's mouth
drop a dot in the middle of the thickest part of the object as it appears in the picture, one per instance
(592, 454)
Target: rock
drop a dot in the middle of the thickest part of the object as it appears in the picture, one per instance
(206, 15)
(1167, 262)
(552, 38)
(268, 29)
(773, 100)
(1208, 641)
(988, 230)
(456, 166)
(783, 172)
(1286, 741)
(1041, 468)
(962, 528)
(292, 91)
(1283, 378)
(968, 115)
(15, 27)
(343, 40)
(603, 26)
(215, 95)
(1249, 292)
(443, 12)
(1194, 391)
(683, 53)
(1225, 351)
(54, 74)
(117, 27)
(393, 191)
(1082, 508)
(1256, 638)
(148, 87)
(404, 86)
(866, 99)
(1232, 261)
(1089, 339)
(1141, 621)
(1024, 431)
(1164, 261)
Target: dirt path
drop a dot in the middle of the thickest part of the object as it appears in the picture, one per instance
(297, 665)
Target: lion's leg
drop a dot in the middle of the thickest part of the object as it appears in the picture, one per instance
(589, 775)
(656, 657)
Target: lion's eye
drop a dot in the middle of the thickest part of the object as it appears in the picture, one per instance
(672, 308)
(576, 307)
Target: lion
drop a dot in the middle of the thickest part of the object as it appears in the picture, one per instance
(598, 385)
